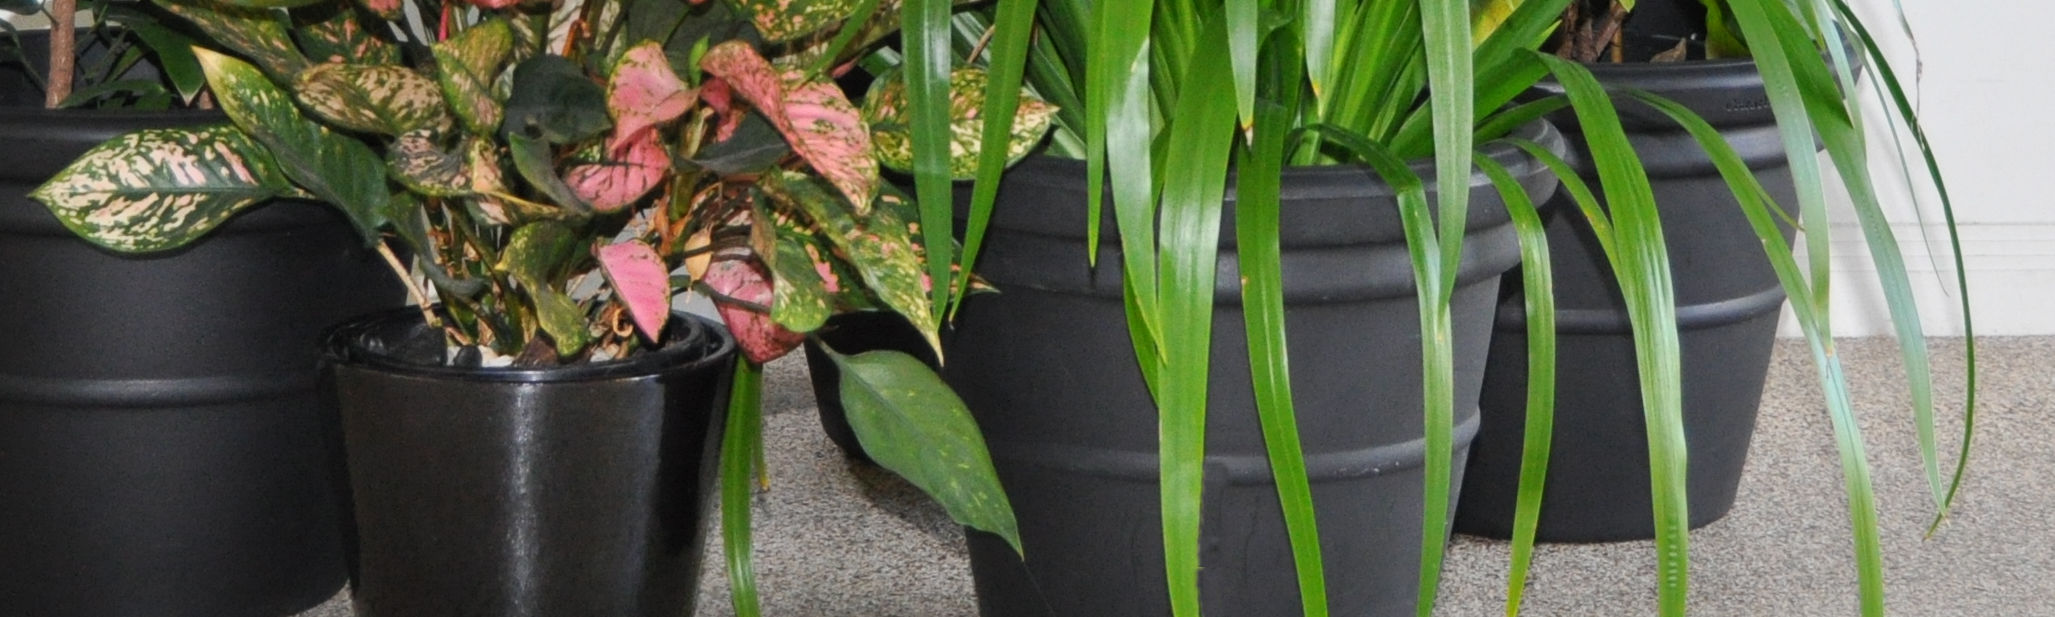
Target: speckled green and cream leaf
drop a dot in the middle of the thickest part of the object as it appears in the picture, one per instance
(336, 35)
(158, 189)
(784, 20)
(420, 164)
(388, 100)
(258, 34)
(910, 422)
(800, 301)
(336, 168)
(817, 120)
(885, 109)
(879, 247)
(466, 66)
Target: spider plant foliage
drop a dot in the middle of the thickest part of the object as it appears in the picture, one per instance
(558, 172)
(1162, 96)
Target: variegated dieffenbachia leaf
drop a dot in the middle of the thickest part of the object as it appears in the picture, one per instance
(642, 283)
(622, 177)
(878, 246)
(383, 99)
(532, 257)
(466, 66)
(158, 189)
(784, 20)
(885, 108)
(420, 164)
(817, 120)
(257, 34)
(800, 301)
(336, 168)
(644, 92)
(734, 276)
(334, 34)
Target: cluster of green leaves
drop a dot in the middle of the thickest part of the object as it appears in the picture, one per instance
(1378, 82)
(558, 173)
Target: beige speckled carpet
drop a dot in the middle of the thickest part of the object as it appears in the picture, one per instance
(839, 540)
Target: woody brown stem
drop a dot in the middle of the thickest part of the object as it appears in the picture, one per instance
(63, 51)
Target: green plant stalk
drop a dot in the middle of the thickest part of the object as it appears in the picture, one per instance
(741, 445)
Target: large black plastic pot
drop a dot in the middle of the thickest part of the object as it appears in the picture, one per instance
(161, 449)
(1047, 368)
(1728, 301)
(574, 490)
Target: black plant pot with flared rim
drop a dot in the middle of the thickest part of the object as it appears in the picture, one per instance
(1047, 368)
(572, 490)
(1728, 303)
(165, 452)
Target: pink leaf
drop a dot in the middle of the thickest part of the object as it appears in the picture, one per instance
(760, 338)
(817, 120)
(613, 184)
(641, 281)
(644, 92)
(389, 9)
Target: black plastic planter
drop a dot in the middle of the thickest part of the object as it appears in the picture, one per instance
(1047, 367)
(577, 490)
(161, 448)
(1727, 310)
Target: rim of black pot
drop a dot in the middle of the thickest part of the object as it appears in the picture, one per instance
(701, 343)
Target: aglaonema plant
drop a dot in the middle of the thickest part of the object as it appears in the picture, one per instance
(1162, 96)
(558, 173)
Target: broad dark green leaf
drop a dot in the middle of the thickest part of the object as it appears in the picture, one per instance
(174, 52)
(554, 101)
(754, 147)
(913, 424)
(161, 188)
(534, 160)
(336, 168)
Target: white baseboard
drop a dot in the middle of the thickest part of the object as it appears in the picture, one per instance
(2011, 270)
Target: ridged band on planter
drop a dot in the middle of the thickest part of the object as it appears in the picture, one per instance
(1047, 368)
(1728, 303)
(162, 451)
(575, 490)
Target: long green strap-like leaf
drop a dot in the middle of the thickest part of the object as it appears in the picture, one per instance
(1944, 498)
(1640, 261)
(741, 445)
(1011, 32)
(1195, 169)
(1451, 91)
(1118, 140)
(924, 33)
(1537, 280)
(1437, 359)
(1795, 124)
(1258, 186)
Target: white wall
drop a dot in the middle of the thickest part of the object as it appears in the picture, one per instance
(1986, 99)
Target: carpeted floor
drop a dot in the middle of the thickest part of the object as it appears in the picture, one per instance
(837, 539)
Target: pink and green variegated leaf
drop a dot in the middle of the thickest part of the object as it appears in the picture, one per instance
(389, 100)
(258, 34)
(338, 36)
(420, 164)
(784, 20)
(820, 123)
(161, 188)
(644, 92)
(623, 177)
(885, 108)
(801, 299)
(641, 282)
(735, 276)
(879, 247)
(388, 9)
(466, 66)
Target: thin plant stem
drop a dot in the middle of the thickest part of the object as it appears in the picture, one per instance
(63, 51)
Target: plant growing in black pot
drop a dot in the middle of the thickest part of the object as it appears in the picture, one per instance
(1169, 444)
(540, 435)
(162, 449)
